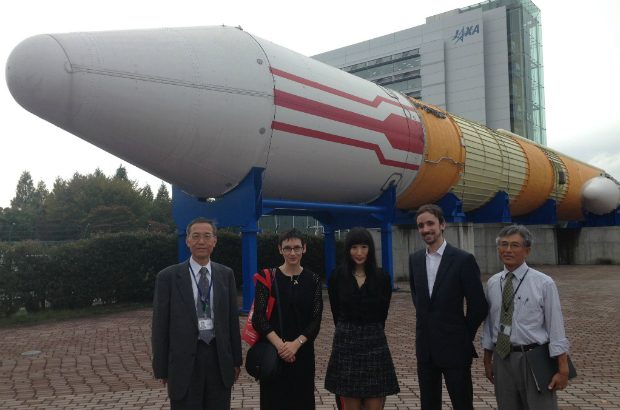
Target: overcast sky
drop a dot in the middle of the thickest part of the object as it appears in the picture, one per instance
(581, 64)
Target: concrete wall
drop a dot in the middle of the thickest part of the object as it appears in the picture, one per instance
(544, 249)
(597, 246)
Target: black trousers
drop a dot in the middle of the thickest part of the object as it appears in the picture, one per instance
(458, 383)
(206, 389)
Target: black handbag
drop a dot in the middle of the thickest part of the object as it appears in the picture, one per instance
(262, 361)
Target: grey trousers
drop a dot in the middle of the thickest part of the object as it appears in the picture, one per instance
(515, 388)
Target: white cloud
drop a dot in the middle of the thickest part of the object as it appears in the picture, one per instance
(610, 162)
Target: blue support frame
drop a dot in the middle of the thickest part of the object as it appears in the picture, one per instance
(381, 213)
(329, 250)
(244, 205)
(249, 262)
(387, 257)
(452, 208)
(240, 207)
(610, 219)
(496, 210)
(545, 214)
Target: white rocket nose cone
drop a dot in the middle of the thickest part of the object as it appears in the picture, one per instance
(38, 78)
(600, 195)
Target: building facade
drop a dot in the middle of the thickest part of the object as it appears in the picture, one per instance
(482, 62)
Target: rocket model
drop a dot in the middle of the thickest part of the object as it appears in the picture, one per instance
(199, 107)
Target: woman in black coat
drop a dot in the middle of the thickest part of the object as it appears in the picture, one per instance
(360, 368)
(301, 301)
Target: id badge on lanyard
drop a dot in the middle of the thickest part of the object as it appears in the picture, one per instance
(205, 322)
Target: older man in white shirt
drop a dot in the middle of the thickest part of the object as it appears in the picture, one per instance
(524, 312)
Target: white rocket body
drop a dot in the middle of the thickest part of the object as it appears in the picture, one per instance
(199, 107)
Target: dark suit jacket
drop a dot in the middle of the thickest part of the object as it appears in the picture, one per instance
(175, 326)
(444, 332)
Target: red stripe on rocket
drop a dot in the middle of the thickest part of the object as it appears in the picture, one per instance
(402, 133)
(292, 129)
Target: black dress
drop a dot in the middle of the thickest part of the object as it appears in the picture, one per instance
(302, 306)
(360, 364)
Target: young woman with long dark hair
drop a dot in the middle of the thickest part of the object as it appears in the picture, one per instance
(360, 368)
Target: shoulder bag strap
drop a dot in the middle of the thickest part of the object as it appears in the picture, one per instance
(264, 280)
(274, 280)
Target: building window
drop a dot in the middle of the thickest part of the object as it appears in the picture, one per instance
(407, 60)
(526, 71)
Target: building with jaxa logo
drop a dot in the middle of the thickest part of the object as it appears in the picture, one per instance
(482, 62)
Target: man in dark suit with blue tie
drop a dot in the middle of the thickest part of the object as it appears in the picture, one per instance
(442, 277)
(196, 340)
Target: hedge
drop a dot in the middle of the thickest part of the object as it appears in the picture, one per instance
(113, 268)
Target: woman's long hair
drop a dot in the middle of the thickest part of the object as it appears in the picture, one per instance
(361, 236)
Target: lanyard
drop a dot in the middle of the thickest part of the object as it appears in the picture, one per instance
(512, 298)
(203, 298)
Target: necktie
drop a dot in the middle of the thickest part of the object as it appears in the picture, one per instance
(206, 335)
(502, 347)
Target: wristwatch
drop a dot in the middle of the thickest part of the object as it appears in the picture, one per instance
(301, 342)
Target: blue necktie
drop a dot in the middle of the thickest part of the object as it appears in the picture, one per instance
(205, 335)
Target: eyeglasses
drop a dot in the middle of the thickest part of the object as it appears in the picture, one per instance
(296, 249)
(198, 236)
(510, 245)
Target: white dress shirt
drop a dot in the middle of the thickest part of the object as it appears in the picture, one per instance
(537, 316)
(195, 266)
(433, 259)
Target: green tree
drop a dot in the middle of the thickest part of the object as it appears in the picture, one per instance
(162, 194)
(6, 224)
(121, 173)
(83, 205)
(110, 219)
(23, 219)
(74, 207)
(24, 192)
(40, 195)
(147, 193)
(98, 173)
(162, 206)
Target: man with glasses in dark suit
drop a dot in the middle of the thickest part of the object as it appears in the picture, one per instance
(196, 340)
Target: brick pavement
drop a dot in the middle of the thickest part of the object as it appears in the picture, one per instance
(104, 363)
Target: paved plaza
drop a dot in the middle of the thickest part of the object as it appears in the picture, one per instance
(105, 362)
